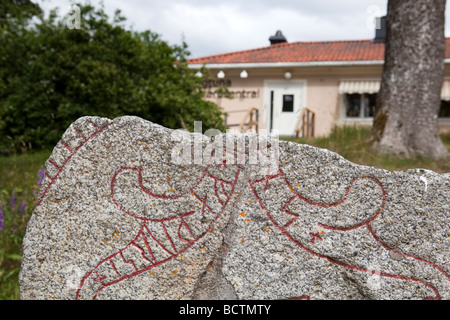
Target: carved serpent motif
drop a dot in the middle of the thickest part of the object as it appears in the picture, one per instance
(177, 234)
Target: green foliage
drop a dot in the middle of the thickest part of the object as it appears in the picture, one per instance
(12, 232)
(51, 75)
(19, 183)
(17, 9)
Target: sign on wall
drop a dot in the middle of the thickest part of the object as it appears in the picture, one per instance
(211, 87)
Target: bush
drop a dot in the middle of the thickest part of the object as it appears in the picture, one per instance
(51, 75)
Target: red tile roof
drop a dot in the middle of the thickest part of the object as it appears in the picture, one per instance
(354, 50)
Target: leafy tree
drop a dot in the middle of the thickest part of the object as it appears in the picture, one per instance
(17, 9)
(406, 121)
(51, 75)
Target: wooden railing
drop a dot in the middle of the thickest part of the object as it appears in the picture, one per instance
(305, 124)
(249, 122)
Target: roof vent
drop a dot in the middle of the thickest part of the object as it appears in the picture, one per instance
(277, 38)
(380, 29)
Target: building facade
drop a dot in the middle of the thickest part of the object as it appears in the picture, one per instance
(336, 81)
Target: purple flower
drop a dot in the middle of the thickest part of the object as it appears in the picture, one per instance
(1, 218)
(22, 207)
(41, 174)
(13, 200)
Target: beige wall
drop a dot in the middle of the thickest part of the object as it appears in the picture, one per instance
(322, 93)
(322, 98)
(248, 93)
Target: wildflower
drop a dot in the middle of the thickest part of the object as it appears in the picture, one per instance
(1, 218)
(41, 174)
(13, 200)
(22, 207)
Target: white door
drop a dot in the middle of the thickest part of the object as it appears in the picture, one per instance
(284, 101)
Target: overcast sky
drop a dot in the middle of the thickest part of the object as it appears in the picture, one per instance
(218, 26)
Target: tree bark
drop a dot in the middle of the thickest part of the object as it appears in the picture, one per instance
(406, 119)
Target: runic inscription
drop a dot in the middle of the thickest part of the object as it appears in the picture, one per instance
(117, 219)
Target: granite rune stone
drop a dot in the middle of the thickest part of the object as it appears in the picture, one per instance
(124, 213)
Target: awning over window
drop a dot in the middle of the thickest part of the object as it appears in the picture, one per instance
(445, 91)
(373, 86)
(359, 86)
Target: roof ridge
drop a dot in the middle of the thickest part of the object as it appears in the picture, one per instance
(327, 50)
(278, 45)
(231, 53)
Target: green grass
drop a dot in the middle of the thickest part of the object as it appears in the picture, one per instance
(351, 143)
(19, 175)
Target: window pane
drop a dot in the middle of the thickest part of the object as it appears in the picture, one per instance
(444, 112)
(370, 101)
(288, 103)
(352, 105)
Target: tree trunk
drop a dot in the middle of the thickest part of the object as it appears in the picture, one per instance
(406, 119)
